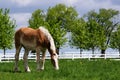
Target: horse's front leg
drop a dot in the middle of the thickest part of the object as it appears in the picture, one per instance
(42, 62)
(25, 57)
(38, 59)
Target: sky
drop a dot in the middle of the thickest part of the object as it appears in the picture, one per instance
(21, 10)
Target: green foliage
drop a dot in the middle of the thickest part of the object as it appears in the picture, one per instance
(59, 18)
(100, 26)
(54, 19)
(58, 34)
(61, 14)
(79, 34)
(37, 19)
(107, 23)
(7, 29)
(115, 40)
(69, 70)
(94, 32)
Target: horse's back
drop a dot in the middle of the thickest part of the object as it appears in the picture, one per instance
(25, 32)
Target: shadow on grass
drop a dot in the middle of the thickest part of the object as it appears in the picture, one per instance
(10, 71)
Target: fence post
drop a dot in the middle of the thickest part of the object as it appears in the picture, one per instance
(0, 57)
(72, 56)
(105, 56)
(88, 56)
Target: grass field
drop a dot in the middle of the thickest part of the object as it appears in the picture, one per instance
(80, 69)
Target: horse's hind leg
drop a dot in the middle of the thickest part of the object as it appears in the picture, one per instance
(25, 57)
(18, 48)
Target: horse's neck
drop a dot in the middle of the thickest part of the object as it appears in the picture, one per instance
(52, 45)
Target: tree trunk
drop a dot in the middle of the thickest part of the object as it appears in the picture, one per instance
(93, 52)
(57, 50)
(33, 51)
(102, 52)
(119, 52)
(81, 52)
(4, 51)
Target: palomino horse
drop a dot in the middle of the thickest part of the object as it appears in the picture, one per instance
(38, 40)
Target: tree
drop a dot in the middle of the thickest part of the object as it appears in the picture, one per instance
(108, 25)
(79, 34)
(95, 34)
(115, 40)
(63, 15)
(7, 29)
(37, 19)
(59, 19)
(105, 24)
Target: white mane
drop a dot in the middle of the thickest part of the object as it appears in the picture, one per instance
(48, 35)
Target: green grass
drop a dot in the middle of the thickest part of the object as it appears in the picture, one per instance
(81, 69)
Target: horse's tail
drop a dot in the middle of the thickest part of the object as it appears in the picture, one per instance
(17, 38)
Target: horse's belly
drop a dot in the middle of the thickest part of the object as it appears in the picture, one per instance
(29, 45)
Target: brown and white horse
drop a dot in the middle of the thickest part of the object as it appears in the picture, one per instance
(38, 40)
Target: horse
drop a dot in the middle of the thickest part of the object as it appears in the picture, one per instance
(39, 40)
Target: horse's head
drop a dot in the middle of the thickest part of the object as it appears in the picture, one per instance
(54, 60)
(51, 47)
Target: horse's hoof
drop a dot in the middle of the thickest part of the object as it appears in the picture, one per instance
(28, 70)
(40, 69)
(56, 67)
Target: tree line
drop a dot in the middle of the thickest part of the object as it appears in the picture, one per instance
(94, 30)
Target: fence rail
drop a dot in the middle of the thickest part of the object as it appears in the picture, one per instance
(10, 57)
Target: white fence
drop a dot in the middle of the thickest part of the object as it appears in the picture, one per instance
(89, 56)
(10, 57)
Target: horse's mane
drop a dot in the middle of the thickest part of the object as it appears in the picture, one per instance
(48, 35)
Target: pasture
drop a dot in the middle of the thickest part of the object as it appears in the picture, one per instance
(78, 69)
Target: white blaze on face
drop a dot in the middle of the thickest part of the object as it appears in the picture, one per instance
(56, 62)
